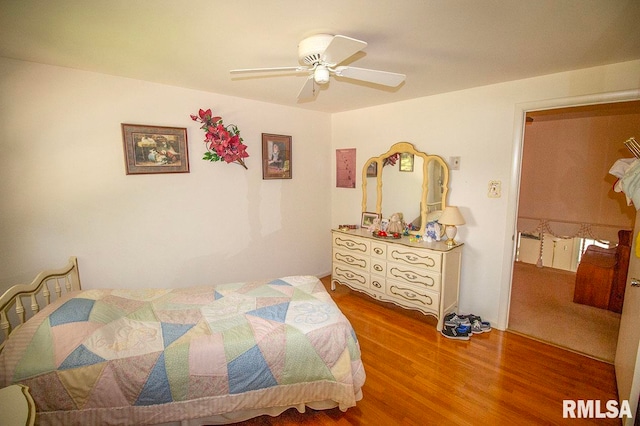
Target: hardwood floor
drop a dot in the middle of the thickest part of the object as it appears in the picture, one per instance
(416, 376)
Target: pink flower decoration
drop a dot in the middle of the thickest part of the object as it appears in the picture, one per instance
(223, 143)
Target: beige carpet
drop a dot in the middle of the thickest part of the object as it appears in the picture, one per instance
(542, 307)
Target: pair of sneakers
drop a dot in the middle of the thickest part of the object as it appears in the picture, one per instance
(458, 332)
(462, 326)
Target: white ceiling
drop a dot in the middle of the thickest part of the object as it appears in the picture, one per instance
(441, 45)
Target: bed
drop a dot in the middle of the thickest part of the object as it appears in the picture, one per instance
(190, 356)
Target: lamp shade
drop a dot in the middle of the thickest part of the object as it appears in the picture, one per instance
(451, 216)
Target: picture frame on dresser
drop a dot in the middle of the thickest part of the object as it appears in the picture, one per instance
(368, 218)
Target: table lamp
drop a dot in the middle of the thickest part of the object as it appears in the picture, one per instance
(451, 217)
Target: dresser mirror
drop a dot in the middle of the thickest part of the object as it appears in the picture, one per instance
(413, 183)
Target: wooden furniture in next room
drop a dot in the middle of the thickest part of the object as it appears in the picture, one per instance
(602, 275)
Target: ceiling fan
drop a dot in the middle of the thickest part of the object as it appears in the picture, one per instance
(322, 54)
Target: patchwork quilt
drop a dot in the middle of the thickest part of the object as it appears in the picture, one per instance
(117, 356)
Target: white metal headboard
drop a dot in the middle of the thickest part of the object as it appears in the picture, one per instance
(48, 283)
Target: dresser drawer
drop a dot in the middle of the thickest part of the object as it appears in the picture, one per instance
(353, 259)
(378, 250)
(353, 244)
(408, 294)
(378, 267)
(377, 284)
(350, 276)
(422, 278)
(428, 259)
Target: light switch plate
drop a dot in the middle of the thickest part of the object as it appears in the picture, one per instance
(495, 189)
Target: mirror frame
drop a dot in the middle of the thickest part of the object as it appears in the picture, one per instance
(408, 147)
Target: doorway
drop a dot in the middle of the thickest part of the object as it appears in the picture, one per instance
(541, 298)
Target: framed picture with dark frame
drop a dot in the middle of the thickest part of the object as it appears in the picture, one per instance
(372, 169)
(406, 162)
(368, 218)
(155, 149)
(276, 156)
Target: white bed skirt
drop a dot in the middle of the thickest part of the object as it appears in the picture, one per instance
(240, 416)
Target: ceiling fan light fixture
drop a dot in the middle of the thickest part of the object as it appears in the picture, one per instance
(320, 57)
(321, 75)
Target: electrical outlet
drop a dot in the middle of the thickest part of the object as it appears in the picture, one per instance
(454, 163)
(495, 189)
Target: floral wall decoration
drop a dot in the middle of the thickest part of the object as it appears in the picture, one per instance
(391, 160)
(223, 143)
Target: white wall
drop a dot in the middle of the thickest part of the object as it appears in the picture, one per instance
(483, 126)
(65, 192)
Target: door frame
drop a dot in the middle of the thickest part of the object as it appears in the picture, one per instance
(521, 110)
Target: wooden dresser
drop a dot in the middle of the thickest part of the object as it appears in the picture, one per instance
(420, 276)
(601, 277)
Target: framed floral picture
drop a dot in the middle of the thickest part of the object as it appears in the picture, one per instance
(155, 149)
(276, 156)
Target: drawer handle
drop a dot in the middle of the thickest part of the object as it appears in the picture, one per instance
(378, 251)
(351, 245)
(350, 275)
(410, 295)
(351, 260)
(413, 258)
(377, 268)
(410, 276)
(376, 284)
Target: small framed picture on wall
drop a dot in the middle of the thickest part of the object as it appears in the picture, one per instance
(276, 156)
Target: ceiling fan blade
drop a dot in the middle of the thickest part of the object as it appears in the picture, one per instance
(309, 90)
(372, 76)
(341, 48)
(276, 69)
